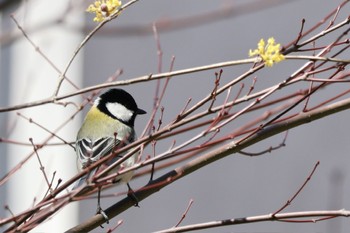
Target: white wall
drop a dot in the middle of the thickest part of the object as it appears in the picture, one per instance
(29, 77)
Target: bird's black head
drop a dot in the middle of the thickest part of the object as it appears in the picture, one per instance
(120, 105)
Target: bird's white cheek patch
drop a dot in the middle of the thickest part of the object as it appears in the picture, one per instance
(119, 111)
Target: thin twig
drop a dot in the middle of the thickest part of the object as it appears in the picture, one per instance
(185, 213)
(86, 39)
(299, 190)
(42, 168)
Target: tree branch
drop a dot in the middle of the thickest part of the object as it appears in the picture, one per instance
(228, 149)
(261, 218)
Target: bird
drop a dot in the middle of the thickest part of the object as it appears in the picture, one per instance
(108, 125)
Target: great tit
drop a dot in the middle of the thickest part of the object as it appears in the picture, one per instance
(109, 124)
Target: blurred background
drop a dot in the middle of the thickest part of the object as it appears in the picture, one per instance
(196, 32)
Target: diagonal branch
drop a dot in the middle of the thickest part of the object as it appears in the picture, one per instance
(195, 164)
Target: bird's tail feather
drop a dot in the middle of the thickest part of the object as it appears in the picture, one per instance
(84, 179)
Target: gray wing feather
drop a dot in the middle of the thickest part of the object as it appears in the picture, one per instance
(90, 151)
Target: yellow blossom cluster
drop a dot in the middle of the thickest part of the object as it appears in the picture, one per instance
(269, 53)
(103, 8)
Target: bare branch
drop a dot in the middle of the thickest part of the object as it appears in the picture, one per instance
(261, 218)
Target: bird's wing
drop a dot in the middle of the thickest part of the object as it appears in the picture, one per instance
(90, 151)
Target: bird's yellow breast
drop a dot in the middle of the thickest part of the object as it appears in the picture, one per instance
(97, 124)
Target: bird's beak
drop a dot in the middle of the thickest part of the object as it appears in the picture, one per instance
(140, 111)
